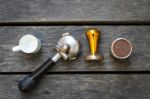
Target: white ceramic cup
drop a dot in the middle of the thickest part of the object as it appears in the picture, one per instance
(28, 44)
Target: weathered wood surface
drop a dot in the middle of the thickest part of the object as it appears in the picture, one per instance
(79, 87)
(82, 85)
(74, 10)
(49, 35)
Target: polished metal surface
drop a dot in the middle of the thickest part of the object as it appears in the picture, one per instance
(93, 57)
(68, 46)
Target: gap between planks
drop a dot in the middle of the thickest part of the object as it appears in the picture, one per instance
(73, 23)
(79, 72)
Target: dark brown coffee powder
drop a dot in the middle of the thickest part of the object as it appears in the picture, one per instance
(121, 48)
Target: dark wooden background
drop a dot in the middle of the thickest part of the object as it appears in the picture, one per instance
(47, 20)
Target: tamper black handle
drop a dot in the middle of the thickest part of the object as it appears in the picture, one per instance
(30, 81)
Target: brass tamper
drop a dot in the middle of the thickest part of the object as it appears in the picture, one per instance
(93, 38)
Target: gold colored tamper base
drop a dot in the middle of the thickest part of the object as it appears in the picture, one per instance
(95, 57)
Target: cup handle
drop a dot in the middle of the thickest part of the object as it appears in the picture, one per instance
(16, 49)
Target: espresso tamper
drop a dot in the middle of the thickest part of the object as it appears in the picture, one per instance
(67, 48)
(93, 38)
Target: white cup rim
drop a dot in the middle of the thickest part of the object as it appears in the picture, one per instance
(118, 57)
(37, 42)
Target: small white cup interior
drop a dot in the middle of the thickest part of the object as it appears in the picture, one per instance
(28, 43)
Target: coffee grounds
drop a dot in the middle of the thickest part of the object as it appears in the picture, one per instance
(121, 48)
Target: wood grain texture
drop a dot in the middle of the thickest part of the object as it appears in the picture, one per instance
(76, 10)
(49, 35)
(79, 87)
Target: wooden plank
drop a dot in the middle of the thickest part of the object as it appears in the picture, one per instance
(49, 35)
(79, 87)
(77, 10)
